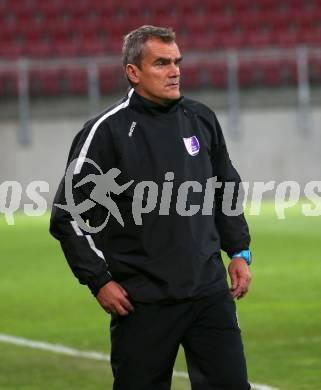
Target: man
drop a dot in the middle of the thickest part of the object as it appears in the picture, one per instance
(159, 273)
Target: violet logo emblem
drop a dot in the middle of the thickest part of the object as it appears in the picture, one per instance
(192, 145)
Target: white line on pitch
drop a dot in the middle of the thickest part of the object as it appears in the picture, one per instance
(62, 349)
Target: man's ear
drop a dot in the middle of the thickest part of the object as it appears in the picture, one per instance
(133, 73)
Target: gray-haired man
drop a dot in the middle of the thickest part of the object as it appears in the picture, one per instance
(163, 280)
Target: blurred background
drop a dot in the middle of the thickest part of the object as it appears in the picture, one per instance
(257, 64)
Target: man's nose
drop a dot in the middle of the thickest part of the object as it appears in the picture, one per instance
(175, 71)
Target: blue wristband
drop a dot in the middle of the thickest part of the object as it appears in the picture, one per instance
(245, 254)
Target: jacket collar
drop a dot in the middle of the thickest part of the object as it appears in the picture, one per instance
(144, 105)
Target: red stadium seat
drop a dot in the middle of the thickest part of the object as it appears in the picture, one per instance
(49, 82)
(9, 31)
(60, 30)
(19, 11)
(66, 48)
(74, 80)
(191, 8)
(286, 38)
(111, 78)
(280, 72)
(36, 32)
(189, 76)
(10, 51)
(57, 81)
(39, 49)
(241, 6)
(87, 28)
(43, 82)
(310, 37)
(113, 46)
(106, 80)
(246, 73)
(232, 40)
(207, 43)
(257, 40)
(92, 47)
(213, 74)
(49, 11)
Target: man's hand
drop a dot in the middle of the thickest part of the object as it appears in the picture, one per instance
(240, 277)
(113, 298)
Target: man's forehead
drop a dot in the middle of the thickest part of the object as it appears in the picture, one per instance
(156, 48)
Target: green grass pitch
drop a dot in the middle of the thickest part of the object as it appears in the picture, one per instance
(41, 300)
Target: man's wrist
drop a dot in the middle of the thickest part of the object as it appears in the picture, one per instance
(97, 283)
(245, 254)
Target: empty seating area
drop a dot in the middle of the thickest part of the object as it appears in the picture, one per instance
(38, 28)
(63, 29)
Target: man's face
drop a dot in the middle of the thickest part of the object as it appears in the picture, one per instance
(158, 77)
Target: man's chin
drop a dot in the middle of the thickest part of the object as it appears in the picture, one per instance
(174, 95)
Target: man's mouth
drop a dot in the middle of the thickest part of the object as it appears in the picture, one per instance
(175, 84)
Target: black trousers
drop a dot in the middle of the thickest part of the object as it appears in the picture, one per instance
(145, 343)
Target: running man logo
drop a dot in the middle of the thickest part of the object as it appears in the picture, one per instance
(105, 184)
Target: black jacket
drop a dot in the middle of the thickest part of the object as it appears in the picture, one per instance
(168, 257)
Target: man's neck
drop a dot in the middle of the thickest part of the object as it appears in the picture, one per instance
(155, 99)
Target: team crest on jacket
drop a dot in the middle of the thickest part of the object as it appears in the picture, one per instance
(192, 145)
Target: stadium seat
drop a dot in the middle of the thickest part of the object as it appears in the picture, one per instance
(49, 11)
(212, 74)
(285, 38)
(90, 29)
(66, 48)
(59, 30)
(74, 80)
(91, 47)
(11, 51)
(59, 80)
(189, 75)
(207, 43)
(279, 72)
(39, 49)
(246, 74)
(36, 32)
(257, 40)
(44, 82)
(232, 40)
(111, 78)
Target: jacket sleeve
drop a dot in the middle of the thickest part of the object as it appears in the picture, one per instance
(233, 229)
(85, 259)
